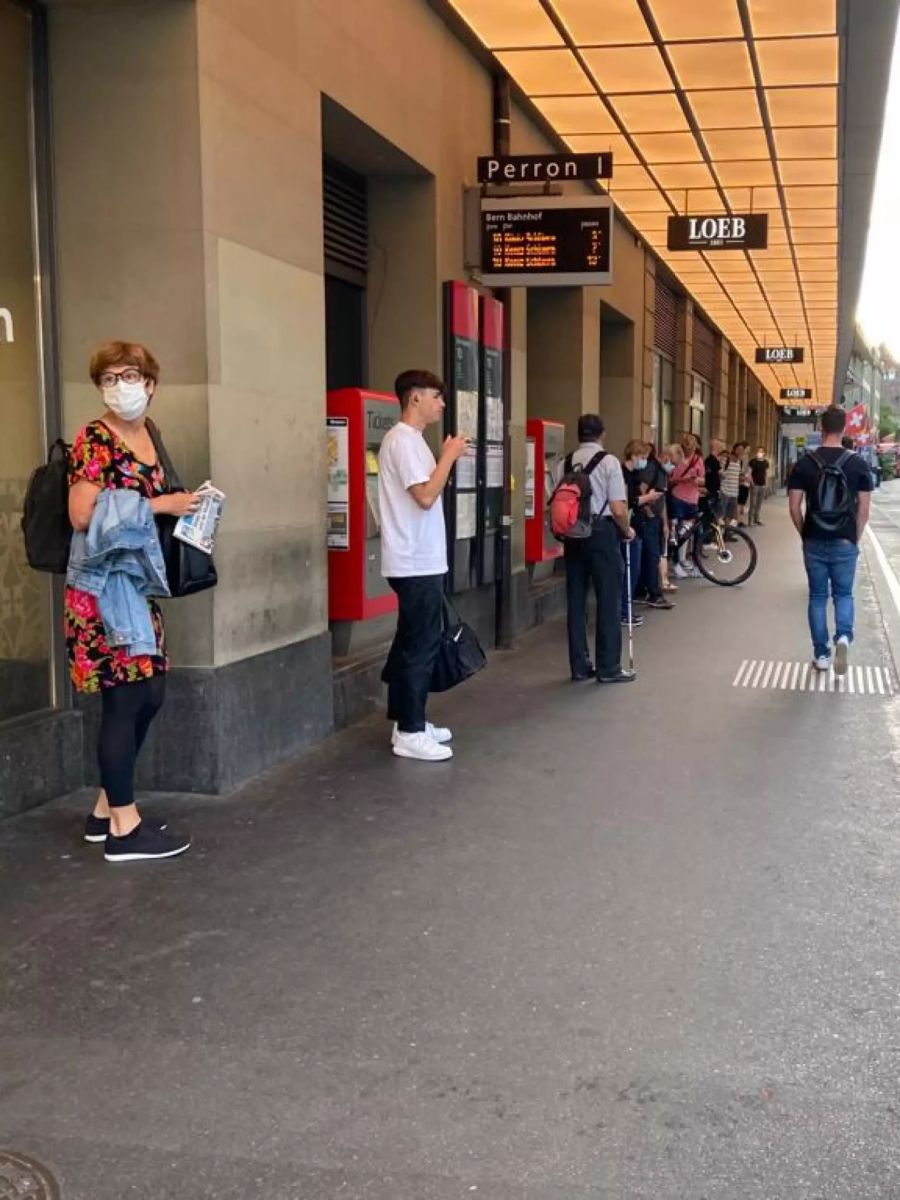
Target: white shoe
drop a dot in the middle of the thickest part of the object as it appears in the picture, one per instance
(679, 572)
(421, 746)
(822, 663)
(438, 733)
(841, 653)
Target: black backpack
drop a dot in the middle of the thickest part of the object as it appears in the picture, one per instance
(45, 513)
(832, 501)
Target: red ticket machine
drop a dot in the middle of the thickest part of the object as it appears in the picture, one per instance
(356, 423)
(545, 446)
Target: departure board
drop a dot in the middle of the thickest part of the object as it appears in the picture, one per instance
(546, 241)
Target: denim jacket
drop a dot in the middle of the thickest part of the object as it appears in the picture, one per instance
(119, 561)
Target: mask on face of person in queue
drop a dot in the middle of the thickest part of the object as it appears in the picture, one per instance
(640, 464)
(127, 400)
(668, 467)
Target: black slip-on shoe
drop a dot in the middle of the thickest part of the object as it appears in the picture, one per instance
(96, 829)
(144, 843)
(582, 676)
(623, 675)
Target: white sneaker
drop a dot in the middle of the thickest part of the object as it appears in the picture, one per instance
(822, 663)
(421, 746)
(438, 733)
(841, 654)
(679, 572)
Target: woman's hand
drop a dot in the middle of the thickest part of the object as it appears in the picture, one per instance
(175, 504)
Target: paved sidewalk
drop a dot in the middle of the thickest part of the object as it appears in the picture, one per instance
(636, 943)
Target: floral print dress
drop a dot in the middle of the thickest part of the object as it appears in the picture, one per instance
(99, 456)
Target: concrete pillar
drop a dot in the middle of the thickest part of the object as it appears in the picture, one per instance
(718, 427)
(649, 416)
(684, 380)
(517, 319)
(563, 356)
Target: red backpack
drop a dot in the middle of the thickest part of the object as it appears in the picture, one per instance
(570, 504)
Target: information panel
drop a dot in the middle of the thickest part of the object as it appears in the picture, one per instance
(546, 241)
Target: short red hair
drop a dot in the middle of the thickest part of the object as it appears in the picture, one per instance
(123, 354)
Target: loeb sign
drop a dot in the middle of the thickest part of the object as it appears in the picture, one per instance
(796, 393)
(749, 231)
(779, 354)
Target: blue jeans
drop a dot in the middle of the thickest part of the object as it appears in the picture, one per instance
(830, 567)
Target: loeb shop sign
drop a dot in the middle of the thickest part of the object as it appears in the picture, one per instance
(746, 231)
(779, 354)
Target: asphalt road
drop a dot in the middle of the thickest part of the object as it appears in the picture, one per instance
(638, 943)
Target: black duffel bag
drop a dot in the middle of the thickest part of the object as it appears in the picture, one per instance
(460, 655)
(188, 570)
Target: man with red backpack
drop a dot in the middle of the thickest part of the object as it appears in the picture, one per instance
(590, 522)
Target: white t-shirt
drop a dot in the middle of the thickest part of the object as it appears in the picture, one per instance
(413, 539)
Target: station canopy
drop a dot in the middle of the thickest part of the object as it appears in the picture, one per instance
(709, 106)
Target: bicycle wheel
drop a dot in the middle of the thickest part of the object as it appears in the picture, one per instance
(729, 565)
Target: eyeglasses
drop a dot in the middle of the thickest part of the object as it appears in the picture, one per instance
(129, 375)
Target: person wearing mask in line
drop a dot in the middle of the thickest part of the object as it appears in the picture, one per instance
(648, 519)
(713, 465)
(744, 487)
(731, 484)
(114, 469)
(596, 561)
(667, 467)
(414, 559)
(684, 483)
(759, 475)
(829, 498)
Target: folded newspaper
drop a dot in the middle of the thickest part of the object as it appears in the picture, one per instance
(199, 527)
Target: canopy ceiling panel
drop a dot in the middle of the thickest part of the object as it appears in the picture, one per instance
(708, 106)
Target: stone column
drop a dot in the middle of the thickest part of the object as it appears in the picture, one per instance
(721, 391)
(684, 380)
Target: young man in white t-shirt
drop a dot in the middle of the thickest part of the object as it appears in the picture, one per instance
(414, 559)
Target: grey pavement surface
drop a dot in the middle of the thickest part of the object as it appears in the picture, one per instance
(637, 943)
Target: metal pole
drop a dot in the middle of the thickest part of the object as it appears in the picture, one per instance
(503, 616)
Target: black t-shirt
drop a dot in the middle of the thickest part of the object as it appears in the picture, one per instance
(713, 476)
(759, 471)
(805, 478)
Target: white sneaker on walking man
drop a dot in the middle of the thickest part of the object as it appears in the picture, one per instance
(414, 560)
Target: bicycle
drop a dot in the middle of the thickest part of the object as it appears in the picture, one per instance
(721, 553)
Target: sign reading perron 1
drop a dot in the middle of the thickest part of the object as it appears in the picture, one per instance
(546, 241)
(744, 231)
(544, 168)
(779, 354)
(796, 393)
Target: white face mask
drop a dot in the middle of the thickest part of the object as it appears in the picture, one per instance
(127, 400)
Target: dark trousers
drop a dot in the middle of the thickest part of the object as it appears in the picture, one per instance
(631, 554)
(410, 662)
(128, 710)
(595, 560)
(651, 552)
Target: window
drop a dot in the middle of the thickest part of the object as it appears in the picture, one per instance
(25, 596)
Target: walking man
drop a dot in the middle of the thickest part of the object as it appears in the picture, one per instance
(829, 496)
(759, 478)
(597, 561)
(414, 559)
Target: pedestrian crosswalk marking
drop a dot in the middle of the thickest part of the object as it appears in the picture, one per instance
(778, 675)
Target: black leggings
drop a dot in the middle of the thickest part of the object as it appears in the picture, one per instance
(128, 710)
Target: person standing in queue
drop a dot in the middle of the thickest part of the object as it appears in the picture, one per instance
(114, 458)
(597, 561)
(684, 483)
(759, 474)
(829, 497)
(414, 559)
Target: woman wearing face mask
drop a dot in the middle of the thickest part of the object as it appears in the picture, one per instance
(641, 500)
(116, 451)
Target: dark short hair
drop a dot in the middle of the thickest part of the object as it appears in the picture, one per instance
(833, 420)
(590, 427)
(409, 381)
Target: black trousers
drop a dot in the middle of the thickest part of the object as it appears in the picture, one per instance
(128, 710)
(596, 561)
(651, 552)
(410, 662)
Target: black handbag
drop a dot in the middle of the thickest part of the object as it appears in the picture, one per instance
(188, 570)
(460, 655)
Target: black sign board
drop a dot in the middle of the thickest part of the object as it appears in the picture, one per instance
(742, 231)
(797, 413)
(796, 393)
(544, 168)
(546, 241)
(779, 354)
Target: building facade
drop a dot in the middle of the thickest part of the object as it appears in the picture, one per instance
(271, 197)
